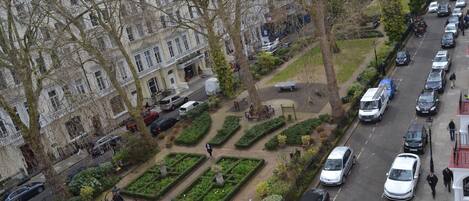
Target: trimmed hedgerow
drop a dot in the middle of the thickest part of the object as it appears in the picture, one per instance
(258, 131)
(196, 131)
(230, 126)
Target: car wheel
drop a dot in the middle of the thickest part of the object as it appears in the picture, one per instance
(354, 160)
(380, 118)
(423, 151)
(40, 189)
(343, 180)
(186, 99)
(173, 107)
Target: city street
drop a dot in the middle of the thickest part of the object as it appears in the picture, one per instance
(376, 145)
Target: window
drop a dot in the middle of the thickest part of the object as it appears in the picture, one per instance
(16, 79)
(3, 82)
(138, 62)
(197, 39)
(117, 106)
(93, 19)
(74, 127)
(189, 8)
(55, 59)
(170, 49)
(26, 107)
(149, 26)
(465, 187)
(100, 80)
(156, 50)
(79, 86)
(140, 31)
(74, 2)
(20, 9)
(54, 100)
(186, 43)
(122, 70)
(3, 129)
(163, 21)
(171, 80)
(41, 65)
(101, 43)
(178, 45)
(178, 15)
(45, 33)
(153, 86)
(148, 58)
(130, 35)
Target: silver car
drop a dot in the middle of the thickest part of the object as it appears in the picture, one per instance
(337, 166)
(172, 102)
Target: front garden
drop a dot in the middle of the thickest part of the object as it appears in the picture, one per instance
(230, 127)
(234, 173)
(198, 128)
(258, 131)
(159, 179)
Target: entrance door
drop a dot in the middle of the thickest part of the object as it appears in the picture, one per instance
(31, 161)
(98, 129)
(172, 79)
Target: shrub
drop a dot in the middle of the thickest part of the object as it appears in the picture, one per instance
(368, 76)
(295, 132)
(98, 178)
(272, 144)
(196, 131)
(198, 110)
(230, 126)
(134, 151)
(306, 140)
(258, 131)
(86, 193)
(282, 140)
(213, 102)
(353, 92)
(284, 53)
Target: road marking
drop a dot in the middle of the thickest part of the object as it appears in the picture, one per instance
(360, 153)
(373, 130)
(420, 45)
(366, 142)
(335, 197)
(369, 136)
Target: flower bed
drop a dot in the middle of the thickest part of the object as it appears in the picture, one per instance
(196, 131)
(258, 131)
(151, 185)
(294, 133)
(236, 172)
(230, 126)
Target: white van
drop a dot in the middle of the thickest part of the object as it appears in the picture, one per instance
(184, 109)
(373, 104)
(212, 86)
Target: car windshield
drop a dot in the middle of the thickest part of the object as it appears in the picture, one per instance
(450, 27)
(426, 98)
(400, 175)
(453, 19)
(368, 105)
(447, 36)
(164, 101)
(333, 164)
(401, 55)
(413, 136)
(387, 85)
(434, 77)
(440, 59)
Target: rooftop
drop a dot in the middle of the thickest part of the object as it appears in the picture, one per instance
(464, 102)
(337, 153)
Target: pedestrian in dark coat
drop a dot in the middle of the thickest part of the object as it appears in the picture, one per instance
(461, 26)
(452, 129)
(432, 181)
(452, 78)
(116, 195)
(209, 149)
(447, 178)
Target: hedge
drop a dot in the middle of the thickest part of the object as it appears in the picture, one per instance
(258, 131)
(151, 185)
(99, 178)
(196, 131)
(198, 110)
(230, 126)
(295, 132)
(236, 172)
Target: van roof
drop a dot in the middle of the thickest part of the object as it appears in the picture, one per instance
(337, 153)
(441, 53)
(188, 104)
(373, 94)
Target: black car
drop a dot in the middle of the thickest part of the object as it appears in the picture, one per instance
(105, 143)
(448, 41)
(402, 58)
(436, 80)
(427, 103)
(316, 195)
(162, 124)
(444, 10)
(26, 192)
(453, 20)
(415, 139)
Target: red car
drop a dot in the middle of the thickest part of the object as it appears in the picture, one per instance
(148, 118)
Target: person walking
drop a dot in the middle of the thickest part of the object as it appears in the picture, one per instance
(116, 195)
(447, 178)
(452, 78)
(432, 181)
(461, 26)
(452, 129)
(209, 149)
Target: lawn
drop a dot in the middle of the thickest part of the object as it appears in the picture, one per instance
(374, 9)
(352, 54)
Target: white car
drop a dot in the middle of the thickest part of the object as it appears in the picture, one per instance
(451, 28)
(271, 46)
(403, 177)
(457, 12)
(442, 60)
(460, 4)
(337, 166)
(433, 7)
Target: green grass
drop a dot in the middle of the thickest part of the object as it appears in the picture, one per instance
(352, 54)
(374, 9)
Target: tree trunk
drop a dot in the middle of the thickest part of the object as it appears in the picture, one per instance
(324, 42)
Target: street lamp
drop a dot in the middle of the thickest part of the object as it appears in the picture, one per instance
(430, 121)
(376, 56)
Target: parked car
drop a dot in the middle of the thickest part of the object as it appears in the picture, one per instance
(427, 103)
(148, 118)
(433, 7)
(105, 143)
(337, 166)
(416, 138)
(26, 192)
(403, 177)
(373, 104)
(161, 125)
(285, 86)
(444, 10)
(448, 40)
(436, 80)
(402, 58)
(388, 83)
(460, 4)
(184, 109)
(442, 60)
(316, 195)
(271, 46)
(172, 102)
(452, 28)
(457, 12)
(453, 20)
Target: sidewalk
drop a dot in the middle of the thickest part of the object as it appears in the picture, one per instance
(63, 165)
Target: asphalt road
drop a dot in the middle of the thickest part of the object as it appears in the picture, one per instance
(376, 145)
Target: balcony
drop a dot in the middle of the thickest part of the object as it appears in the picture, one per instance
(12, 139)
(180, 58)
